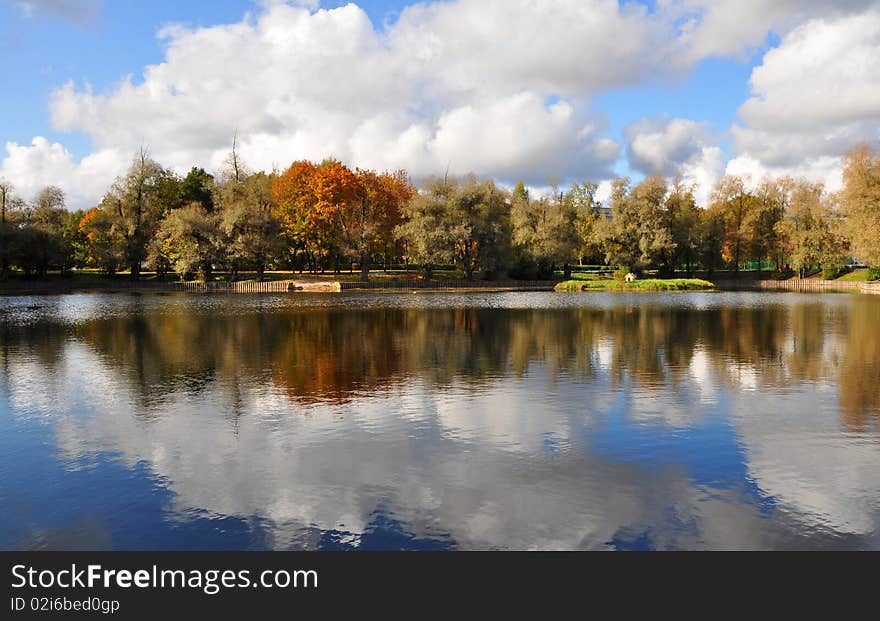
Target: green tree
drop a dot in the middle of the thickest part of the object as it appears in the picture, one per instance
(588, 217)
(810, 229)
(463, 221)
(74, 239)
(479, 226)
(733, 204)
(520, 193)
(190, 240)
(44, 231)
(656, 241)
(197, 187)
(11, 210)
(620, 235)
(138, 203)
(159, 254)
(771, 202)
(682, 221)
(248, 222)
(529, 257)
(552, 231)
(425, 227)
(638, 235)
(860, 203)
(711, 231)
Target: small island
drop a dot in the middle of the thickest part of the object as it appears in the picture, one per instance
(637, 286)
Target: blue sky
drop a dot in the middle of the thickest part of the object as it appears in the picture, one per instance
(628, 98)
(42, 52)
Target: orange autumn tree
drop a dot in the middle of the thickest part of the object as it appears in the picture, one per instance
(334, 187)
(295, 206)
(104, 240)
(367, 223)
(327, 208)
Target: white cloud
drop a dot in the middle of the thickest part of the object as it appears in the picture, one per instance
(662, 145)
(665, 146)
(733, 27)
(566, 47)
(604, 190)
(32, 167)
(827, 169)
(815, 96)
(703, 172)
(510, 135)
(475, 86)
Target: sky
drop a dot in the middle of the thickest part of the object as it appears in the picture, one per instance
(545, 92)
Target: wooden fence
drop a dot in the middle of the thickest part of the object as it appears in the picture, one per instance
(804, 285)
(273, 286)
(519, 285)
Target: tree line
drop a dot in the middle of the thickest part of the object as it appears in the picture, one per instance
(327, 216)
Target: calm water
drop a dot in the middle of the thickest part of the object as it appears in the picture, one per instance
(435, 421)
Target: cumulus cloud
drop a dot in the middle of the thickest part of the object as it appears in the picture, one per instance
(814, 97)
(32, 167)
(664, 146)
(734, 27)
(703, 172)
(826, 169)
(469, 86)
(568, 47)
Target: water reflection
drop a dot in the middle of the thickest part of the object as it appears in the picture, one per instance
(440, 421)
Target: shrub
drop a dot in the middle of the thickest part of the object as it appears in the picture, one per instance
(874, 273)
(570, 286)
(672, 284)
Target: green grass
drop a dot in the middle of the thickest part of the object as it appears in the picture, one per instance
(653, 284)
(856, 276)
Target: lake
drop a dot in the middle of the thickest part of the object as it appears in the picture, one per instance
(724, 420)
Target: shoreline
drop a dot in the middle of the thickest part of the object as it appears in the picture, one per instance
(23, 288)
(277, 286)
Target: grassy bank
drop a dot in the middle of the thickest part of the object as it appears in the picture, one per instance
(653, 284)
(856, 276)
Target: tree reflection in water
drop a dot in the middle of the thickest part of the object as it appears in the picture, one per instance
(466, 419)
